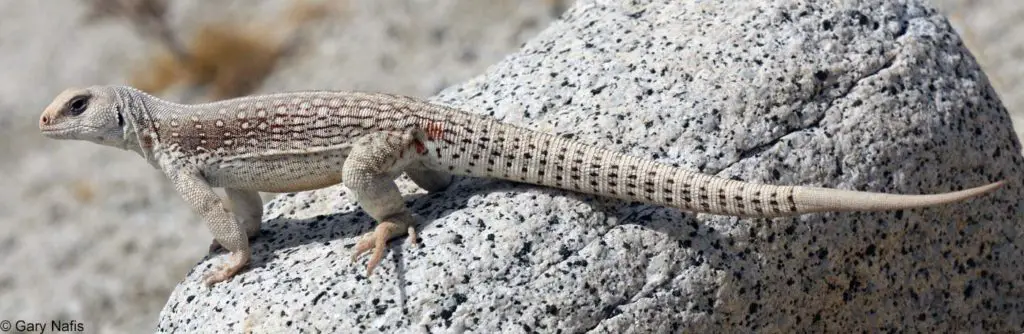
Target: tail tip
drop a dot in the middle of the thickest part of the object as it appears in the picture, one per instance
(981, 190)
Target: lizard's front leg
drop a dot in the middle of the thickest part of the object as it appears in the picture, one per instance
(370, 171)
(223, 224)
(247, 205)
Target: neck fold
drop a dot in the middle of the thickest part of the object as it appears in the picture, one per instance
(140, 135)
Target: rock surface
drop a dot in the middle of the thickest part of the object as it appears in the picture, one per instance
(871, 95)
(992, 30)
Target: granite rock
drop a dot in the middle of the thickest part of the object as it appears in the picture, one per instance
(991, 30)
(871, 95)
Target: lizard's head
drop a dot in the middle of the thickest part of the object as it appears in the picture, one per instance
(94, 114)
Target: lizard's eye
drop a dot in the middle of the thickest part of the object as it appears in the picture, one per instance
(78, 104)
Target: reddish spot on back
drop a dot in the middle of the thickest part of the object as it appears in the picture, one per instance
(420, 148)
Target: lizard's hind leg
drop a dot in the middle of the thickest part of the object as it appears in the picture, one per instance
(429, 180)
(369, 171)
(248, 207)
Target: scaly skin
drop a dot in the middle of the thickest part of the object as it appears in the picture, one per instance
(300, 141)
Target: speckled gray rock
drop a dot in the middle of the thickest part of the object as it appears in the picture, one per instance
(991, 30)
(871, 95)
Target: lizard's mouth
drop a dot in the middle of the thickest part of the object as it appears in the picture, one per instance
(64, 132)
(54, 133)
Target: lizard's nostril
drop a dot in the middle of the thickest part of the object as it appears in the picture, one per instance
(44, 120)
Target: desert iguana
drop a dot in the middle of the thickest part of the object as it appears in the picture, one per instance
(299, 141)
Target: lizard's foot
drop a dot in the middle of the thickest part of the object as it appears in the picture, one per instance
(377, 239)
(237, 261)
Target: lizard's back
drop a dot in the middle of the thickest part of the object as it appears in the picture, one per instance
(278, 142)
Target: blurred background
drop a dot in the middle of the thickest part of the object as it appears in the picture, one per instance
(96, 235)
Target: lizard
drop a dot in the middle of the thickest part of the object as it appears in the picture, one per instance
(304, 140)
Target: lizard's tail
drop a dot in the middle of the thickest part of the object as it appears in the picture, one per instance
(810, 199)
(488, 148)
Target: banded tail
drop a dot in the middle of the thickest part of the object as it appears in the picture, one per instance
(475, 146)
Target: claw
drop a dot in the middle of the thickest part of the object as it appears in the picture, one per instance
(376, 240)
(412, 236)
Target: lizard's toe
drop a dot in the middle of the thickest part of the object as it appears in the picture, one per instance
(412, 236)
(377, 240)
(235, 264)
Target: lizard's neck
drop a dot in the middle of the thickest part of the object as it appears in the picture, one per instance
(140, 133)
